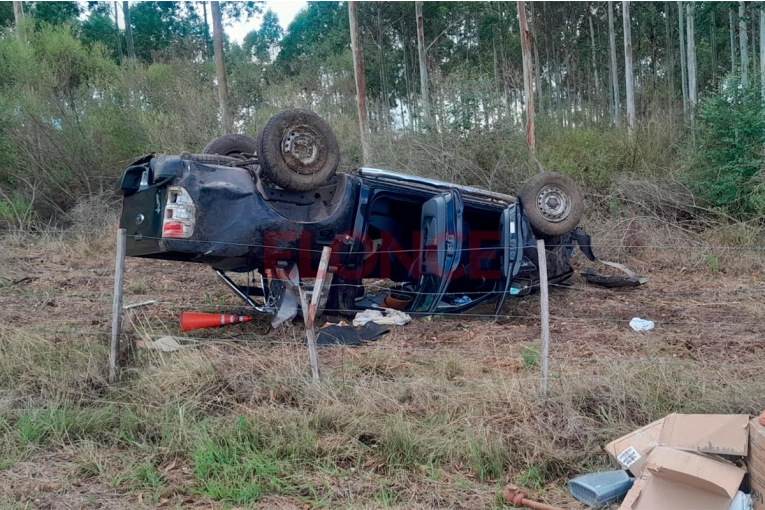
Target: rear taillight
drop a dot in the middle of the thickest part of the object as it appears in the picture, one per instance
(179, 214)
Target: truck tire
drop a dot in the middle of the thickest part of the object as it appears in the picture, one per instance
(231, 145)
(553, 204)
(297, 150)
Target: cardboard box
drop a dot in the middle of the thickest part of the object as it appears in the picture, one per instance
(723, 434)
(630, 451)
(678, 479)
(755, 462)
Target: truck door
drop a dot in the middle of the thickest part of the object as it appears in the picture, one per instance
(440, 248)
(511, 249)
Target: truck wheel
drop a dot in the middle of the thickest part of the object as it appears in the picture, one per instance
(553, 204)
(231, 145)
(297, 150)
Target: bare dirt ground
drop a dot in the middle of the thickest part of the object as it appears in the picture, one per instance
(708, 320)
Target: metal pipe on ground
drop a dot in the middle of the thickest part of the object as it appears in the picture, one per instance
(518, 497)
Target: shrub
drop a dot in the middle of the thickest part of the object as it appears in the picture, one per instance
(728, 160)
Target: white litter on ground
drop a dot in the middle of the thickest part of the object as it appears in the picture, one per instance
(391, 318)
(638, 324)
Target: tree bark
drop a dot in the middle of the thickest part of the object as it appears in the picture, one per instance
(616, 114)
(407, 86)
(496, 76)
(743, 41)
(628, 72)
(207, 31)
(227, 123)
(384, 98)
(528, 77)
(18, 15)
(548, 45)
(713, 42)
(671, 60)
(594, 61)
(361, 86)
(762, 53)
(754, 47)
(423, 65)
(683, 61)
(732, 43)
(128, 30)
(117, 37)
(693, 89)
(537, 75)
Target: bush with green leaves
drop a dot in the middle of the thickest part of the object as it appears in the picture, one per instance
(72, 119)
(728, 159)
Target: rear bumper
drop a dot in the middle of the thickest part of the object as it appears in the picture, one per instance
(235, 228)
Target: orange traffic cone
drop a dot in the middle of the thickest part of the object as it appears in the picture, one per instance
(192, 320)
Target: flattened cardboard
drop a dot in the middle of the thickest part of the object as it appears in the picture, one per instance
(725, 434)
(677, 479)
(755, 462)
(631, 450)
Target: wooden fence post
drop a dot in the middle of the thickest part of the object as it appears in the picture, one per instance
(309, 311)
(545, 309)
(119, 277)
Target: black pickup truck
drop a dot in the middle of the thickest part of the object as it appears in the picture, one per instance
(269, 206)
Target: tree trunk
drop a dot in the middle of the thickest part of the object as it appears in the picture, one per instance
(628, 72)
(616, 114)
(671, 61)
(754, 45)
(594, 61)
(117, 37)
(683, 62)
(128, 30)
(762, 53)
(548, 45)
(18, 15)
(693, 89)
(528, 77)
(496, 75)
(537, 75)
(407, 87)
(207, 31)
(713, 42)
(743, 41)
(227, 123)
(423, 65)
(732, 43)
(384, 99)
(361, 85)
(654, 60)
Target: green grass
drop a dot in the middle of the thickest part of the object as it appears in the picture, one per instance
(147, 475)
(532, 478)
(530, 356)
(385, 428)
(385, 496)
(63, 423)
(230, 466)
(490, 457)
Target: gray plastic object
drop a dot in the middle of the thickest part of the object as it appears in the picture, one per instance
(600, 489)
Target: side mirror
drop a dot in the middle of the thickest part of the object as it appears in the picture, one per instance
(136, 177)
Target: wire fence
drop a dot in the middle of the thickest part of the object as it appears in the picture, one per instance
(673, 247)
(506, 350)
(106, 302)
(149, 323)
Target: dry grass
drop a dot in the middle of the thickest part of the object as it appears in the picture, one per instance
(434, 415)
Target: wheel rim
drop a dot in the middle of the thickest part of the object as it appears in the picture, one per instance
(553, 203)
(301, 149)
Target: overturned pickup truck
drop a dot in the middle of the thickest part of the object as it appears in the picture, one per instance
(269, 206)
